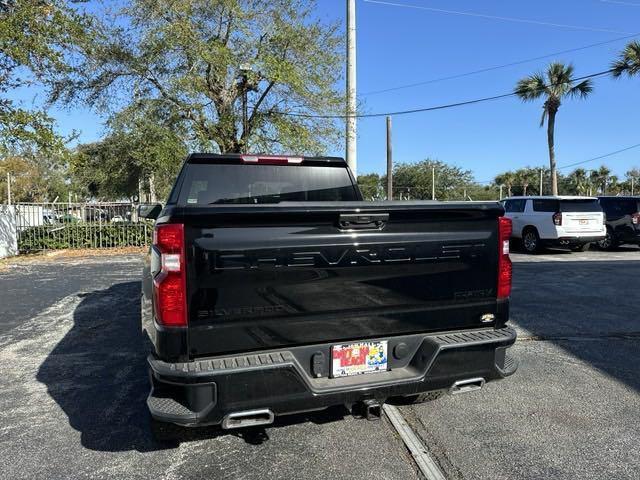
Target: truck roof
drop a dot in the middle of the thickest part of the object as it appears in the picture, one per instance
(235, 157)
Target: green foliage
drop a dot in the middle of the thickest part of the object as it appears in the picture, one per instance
(628, 61)
(414, 180)
(525, 181)
(35, 37)
(35, 176)
(84, 235)
(186, 58)
(141, 147)
(371, 186)
(554, 85)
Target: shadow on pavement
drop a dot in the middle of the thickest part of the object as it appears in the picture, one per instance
(587, 308)
(97, 374)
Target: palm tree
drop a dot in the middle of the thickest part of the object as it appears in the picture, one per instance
(556, 84)
(507, 179)
(579, 181)
(628, 61)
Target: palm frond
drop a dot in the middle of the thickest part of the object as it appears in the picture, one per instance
(559, 77)
(628, 62)
(581, 90)
(531, 87)
(544, 115)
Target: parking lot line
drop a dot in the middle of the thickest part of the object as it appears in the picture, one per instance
(426, 464)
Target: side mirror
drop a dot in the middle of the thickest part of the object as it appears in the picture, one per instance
(149, 210)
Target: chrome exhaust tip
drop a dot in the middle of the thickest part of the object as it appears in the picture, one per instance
(467, 386)
(248, 418)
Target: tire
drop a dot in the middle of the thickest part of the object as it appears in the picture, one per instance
(580, 248)
(530, 240)
(608, 242)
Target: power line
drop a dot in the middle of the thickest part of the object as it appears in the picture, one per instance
(425, 109)
(600, 157)
(497, 67)
(495, 17)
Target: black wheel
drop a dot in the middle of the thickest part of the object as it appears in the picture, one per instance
(530, 240)
(580, 248)
(608, 242)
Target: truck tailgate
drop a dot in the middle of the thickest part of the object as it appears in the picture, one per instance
(263, 277)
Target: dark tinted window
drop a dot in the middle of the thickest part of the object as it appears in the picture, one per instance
(514, 205)
(207, 184)
(545, 205)
(580, 206)
(619, 206)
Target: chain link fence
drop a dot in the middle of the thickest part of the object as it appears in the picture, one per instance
(46, 226)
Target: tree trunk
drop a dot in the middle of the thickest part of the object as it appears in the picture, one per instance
(551, 123)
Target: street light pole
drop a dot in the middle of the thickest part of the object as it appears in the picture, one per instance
(433, 183)
(8, 188)
(350, 122)
(389, 162)
(540, 182)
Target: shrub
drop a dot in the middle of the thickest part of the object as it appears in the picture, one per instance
(85, 235)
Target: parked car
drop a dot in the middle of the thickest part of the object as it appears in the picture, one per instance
(623, 221)
(555, 221)
(272, 288)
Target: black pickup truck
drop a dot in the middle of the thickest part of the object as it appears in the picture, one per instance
(271, 288)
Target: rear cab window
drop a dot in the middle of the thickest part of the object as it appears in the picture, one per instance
(219, 183)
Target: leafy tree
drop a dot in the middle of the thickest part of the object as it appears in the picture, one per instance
(371, 186)
(140, 150)
(414, 180)
(632, 180)
(200, 59)
(578, 182)
(507, 179)
(628, 61)
(34, 36)
(601, 178)
(34, 177)
(555, 84)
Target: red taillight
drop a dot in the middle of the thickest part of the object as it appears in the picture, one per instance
(635, 218)
(557, 218)
(170, 292)
(505, 269)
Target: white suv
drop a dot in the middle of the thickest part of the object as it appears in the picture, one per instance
(562, 221)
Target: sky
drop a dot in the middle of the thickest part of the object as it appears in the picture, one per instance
(401, 42)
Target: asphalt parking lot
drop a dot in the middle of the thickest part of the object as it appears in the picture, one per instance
(73, 388)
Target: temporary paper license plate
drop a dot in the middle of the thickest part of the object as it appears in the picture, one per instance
(357, 358)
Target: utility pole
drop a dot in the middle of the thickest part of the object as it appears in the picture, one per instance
(389, 162)
(501, 186)
(351, 87)
(8, 188)
(632, 179)
(433, 183)
(540, 182)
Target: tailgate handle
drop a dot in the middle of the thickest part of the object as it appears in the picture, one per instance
(363, 220)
